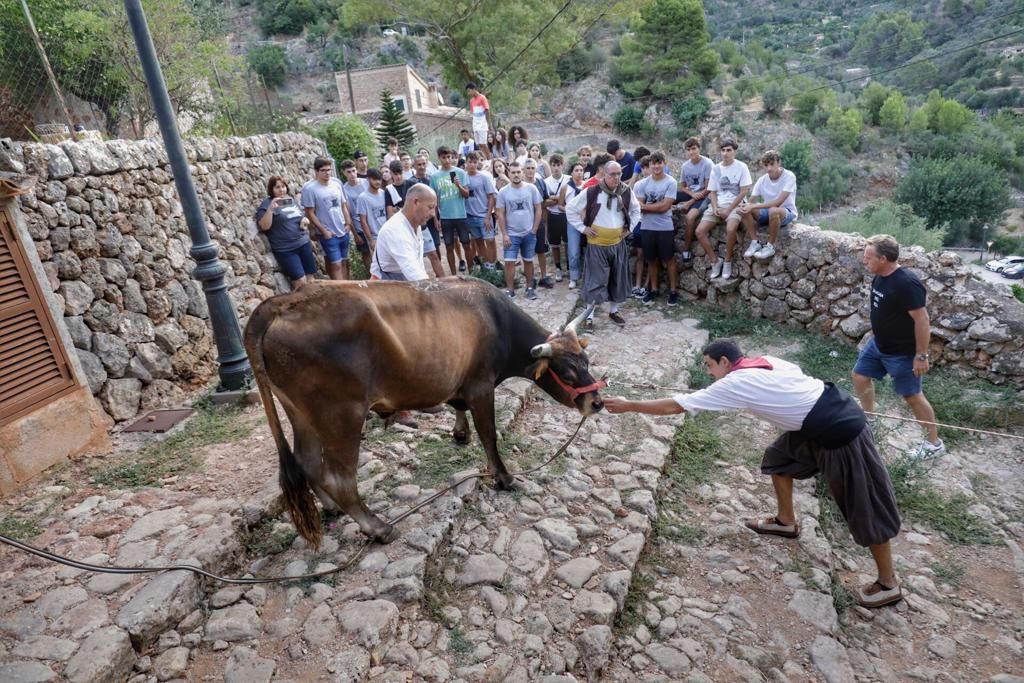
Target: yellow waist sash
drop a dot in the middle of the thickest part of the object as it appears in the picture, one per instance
(606, 237)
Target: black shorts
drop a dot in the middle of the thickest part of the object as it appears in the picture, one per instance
(557, 225)
(658, 245)
(361, 244)
(450, 227)
(855, 475)
(701, 205)
(542, 239)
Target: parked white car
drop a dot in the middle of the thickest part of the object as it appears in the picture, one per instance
(999, 265)
(390, 32)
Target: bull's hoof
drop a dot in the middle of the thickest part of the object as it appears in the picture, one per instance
(461, 438)
(385, 533)
(506, 482)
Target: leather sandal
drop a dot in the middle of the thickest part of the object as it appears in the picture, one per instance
(771, 526)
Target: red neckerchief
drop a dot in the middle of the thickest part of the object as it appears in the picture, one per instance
(745, 363)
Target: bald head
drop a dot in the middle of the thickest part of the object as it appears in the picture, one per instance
(420, 204)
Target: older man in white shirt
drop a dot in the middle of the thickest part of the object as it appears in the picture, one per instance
(399, 252)
(605, 213)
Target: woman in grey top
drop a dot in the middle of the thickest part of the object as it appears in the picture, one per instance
(279, 217)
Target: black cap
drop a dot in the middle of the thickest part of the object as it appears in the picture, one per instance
(360, 154)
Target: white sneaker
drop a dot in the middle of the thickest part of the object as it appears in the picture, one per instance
(754, 247)
(765, 252)
(727, 271)
(572, 284)
(929, 450)
(558, 275)
(716, 269)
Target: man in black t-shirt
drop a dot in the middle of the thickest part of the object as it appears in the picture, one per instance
(899, 345)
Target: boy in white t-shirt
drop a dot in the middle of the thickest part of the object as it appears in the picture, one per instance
(728, 187)
(777, 190)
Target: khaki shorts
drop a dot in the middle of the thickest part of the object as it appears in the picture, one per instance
(480, 136)
(711, 217)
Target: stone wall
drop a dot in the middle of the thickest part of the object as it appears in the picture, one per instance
(110, 233)
(817, 280)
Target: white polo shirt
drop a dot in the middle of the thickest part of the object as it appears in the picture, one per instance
(399, 250)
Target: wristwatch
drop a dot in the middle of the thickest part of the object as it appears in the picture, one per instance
(922, 356)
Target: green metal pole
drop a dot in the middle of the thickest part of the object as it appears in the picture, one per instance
(233, 364)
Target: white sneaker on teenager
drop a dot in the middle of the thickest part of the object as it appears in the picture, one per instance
(716, 269)
(727, 271)
(765, 252)
(572, 284)
(558, 275)
(754, 247)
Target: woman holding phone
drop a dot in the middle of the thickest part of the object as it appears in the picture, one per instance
(280, 217)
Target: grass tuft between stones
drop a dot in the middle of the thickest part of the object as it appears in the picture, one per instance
(269, 537)
(695, 448)
(21, 529)
(178, 453)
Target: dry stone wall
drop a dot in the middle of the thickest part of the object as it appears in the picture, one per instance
(816, 280)
(110, 233)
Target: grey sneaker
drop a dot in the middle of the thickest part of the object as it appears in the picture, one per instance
(929, 450)
(716, 269)
(727, 271)
(754, 247)
(531, 293)
(765, 252)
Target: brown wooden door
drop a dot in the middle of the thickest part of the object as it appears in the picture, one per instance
(33, 364)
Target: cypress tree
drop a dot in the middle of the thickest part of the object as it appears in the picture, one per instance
(393, 123)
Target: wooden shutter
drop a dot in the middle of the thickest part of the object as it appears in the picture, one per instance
(33, 364)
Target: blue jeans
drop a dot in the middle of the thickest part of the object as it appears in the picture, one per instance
(522, 244)
(297, 263)
(573, 239)
(876, 365)
(762, 217)
(335, 248)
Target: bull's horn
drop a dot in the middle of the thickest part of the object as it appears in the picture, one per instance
(571, 327)
(542, 351)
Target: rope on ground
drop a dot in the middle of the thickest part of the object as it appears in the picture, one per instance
(247, 581)
(989, 432)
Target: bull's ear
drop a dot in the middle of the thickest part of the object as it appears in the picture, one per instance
(583, 342)
(539, 368)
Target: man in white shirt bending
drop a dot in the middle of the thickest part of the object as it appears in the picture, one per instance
(399, 252)
(825, 433)
(777, 190)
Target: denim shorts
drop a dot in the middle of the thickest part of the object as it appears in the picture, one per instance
(478, 228)
(297, 263)
(522, 244)
(335, 248)
(452, 228)
(876, 365)
(762, 217)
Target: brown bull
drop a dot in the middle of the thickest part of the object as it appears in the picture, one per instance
(333, 351)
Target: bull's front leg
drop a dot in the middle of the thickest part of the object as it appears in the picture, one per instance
(482, 409)
(460, 433)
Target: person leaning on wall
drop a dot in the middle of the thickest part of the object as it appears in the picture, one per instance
(281, 219)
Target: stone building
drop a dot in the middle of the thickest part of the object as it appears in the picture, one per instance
(419, 100)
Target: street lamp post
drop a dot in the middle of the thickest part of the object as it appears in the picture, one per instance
(233, 365)
(984, 241)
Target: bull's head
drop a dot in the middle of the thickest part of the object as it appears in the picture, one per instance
(562, 369)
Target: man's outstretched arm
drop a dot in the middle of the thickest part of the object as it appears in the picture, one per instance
(661, 406)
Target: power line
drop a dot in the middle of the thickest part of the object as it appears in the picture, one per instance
(847, 60)
(912, 62)
(510, 63)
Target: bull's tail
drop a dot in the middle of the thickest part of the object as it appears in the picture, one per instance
(295, 491)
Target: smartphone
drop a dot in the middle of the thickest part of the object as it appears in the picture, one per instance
(286, 201)
(453, 175)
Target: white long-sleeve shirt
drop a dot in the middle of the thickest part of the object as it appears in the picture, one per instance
(606, 218)
(399, 250)
(782, 396)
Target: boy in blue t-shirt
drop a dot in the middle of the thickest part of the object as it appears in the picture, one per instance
(452, 187)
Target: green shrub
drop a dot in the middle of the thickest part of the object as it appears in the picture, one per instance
(687, 112)
(270, 62)
(813, 107)
(797, 156)
(844, 129)
(830, 183)
(288, 17)
(1007, 244)
(774, 98)
(1018, 292)
(579, 62)
(872, 98)
(944, 191)
(893, 114)
(628, 120)
(898, 220)
(344, 135)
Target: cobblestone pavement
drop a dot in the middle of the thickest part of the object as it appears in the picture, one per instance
(606, 565)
